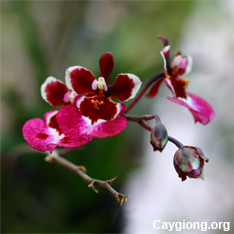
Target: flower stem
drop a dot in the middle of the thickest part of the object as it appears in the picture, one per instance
(143, 91)
(141, 120)
(176, 142)
(81, 172)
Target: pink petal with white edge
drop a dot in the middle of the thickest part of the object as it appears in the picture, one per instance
(124, 87)
(200, 109)
(53, 91)
(108, 128)
(80, 80)
(164, 53)
(73, 124)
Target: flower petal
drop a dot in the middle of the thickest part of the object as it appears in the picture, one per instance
(108, 128)
(42, 137)
(200, 109)
(125, 87)
(38, 135)
(62, 140)
(53, 91)
(181, 65)
(154, 88)
(96, 108)
(106, 64)
(166, 58)
(80, 80)
(177, 86)
(73, 124)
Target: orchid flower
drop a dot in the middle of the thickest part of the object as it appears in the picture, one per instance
(88, 110)
(174, 72)
(93, 101)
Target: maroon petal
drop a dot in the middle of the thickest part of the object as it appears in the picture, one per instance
(108, 128)
(53, 91)
(177, 86)
(80, 80)
(96, 108)
(106, 64)
(125, 87)
(154, 89)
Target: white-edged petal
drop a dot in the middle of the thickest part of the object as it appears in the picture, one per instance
(43, 86)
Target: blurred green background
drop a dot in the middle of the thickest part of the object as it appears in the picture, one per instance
(43, 38)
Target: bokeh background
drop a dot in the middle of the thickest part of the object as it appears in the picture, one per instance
(43, 38)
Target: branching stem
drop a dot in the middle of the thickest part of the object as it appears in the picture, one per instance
(142, 120)
(81, 172)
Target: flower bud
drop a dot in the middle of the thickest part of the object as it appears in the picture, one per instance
(189, 161)
(159, 137)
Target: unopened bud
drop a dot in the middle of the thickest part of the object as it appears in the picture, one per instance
(159, 137)
(189, 161)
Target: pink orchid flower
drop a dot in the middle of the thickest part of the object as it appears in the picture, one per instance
(45, 134)
(173, 77)
(88, 110)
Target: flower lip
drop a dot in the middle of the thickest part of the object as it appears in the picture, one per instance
(45, 134)
(72, 124)
(98, 108)
(200, 109)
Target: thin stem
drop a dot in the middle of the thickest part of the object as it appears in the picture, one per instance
(176, 142)
(141, 120)
(81, 172)
(145, 125)
(143, 91)
(138, 118)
